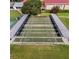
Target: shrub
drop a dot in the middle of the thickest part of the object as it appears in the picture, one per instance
(55, 9)
(31, 7)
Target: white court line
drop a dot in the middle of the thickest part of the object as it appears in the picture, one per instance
(39, 29)
(36, 37)
(39, 33)
(38, 43)
(39, 25)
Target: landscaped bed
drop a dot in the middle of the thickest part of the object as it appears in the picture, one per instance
(39, 52)
(13, 15)
(64, 17)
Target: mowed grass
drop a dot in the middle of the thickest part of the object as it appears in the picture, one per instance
(64, 17)
(39, 52)
(45, 14)
(63, 14)
(14, 14)
(65, 21)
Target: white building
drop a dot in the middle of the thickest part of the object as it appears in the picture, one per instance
(48, 4)
(63, 4)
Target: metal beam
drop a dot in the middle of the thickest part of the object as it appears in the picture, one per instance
(17, 26)
(62, 29)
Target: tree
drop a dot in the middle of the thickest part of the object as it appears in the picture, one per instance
(31, 7)
(55, 9)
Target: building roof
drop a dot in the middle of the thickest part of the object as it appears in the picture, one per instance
(17, 26)
(56, 2)
(18, 4)
(11, 4)
(24, 1)
(64, 31)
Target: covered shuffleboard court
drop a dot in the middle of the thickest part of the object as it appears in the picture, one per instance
(38, 30)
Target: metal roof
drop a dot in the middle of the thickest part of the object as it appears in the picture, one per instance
(64, 31)
(56, 2)
(17, 26)
(11, 4)
(18, 4)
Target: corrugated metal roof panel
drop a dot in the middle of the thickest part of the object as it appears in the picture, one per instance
(64, 31)
(18, 4)
(56, 1)
(17, 26)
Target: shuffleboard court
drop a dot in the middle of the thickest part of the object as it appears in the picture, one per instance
(38, 29)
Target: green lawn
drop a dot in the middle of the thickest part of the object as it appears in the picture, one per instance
(13, 15)
(39, 52)
(64, 18)
(45, 14)
(63, 14)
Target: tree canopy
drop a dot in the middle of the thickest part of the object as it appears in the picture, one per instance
(31, 7)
